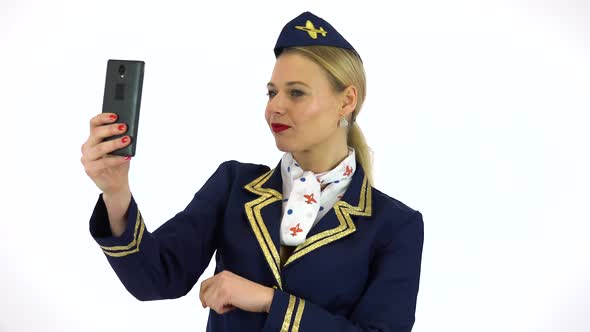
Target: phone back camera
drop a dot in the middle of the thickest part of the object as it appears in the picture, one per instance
(122, 70)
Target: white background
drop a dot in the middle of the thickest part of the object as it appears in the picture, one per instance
(477, 112)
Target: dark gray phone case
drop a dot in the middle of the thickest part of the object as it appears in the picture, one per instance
(122, 96)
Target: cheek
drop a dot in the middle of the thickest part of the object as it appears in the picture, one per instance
(313, 115)
(267, 114)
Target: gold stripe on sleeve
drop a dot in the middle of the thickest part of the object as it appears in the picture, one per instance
(137, 241)
(129, 252)
(288, 314)
(133, 242)
(298, 315)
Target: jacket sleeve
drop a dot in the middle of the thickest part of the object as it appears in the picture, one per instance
(167, 263)
(387, 305)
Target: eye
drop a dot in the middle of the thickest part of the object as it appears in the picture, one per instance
(296, 93)
(271, 93)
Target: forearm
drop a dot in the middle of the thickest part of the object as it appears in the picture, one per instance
(117, 205)
(169, 261)
(162, 265)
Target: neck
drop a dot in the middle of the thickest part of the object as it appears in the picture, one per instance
(323, 157)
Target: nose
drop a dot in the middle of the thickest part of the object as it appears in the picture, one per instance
(276, 104)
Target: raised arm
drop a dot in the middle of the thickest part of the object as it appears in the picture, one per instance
(167, 263)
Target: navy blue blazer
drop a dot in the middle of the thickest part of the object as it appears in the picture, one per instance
(358, 269)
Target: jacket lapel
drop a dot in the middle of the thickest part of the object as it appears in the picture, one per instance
(340, 220)
(265, 213)
(264, 216)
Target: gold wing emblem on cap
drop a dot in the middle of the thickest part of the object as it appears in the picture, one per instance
(311, 30)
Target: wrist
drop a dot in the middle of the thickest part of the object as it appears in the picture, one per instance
(269, 297)
(115, 194)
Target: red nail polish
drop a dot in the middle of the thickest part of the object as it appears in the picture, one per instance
(121, 127)
(125, 139)
(113, 116)
(128, 157)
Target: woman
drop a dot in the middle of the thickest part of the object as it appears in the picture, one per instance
(309, 245)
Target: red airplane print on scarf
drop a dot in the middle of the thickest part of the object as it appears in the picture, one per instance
(310, 199)
(295, 230)
(348, 171)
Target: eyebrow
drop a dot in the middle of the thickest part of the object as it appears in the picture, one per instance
(270, 84)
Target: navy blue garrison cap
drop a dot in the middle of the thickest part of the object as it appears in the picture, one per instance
(308, 29)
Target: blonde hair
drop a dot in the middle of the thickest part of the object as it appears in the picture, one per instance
(344, 68)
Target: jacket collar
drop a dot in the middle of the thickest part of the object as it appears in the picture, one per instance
(264, 213)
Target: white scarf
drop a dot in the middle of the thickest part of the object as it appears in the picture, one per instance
(304, 204)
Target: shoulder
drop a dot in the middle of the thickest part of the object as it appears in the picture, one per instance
(244, 167)
(391, 203)
(242, 173)
(392, 211)
(396, 224)
(231, 175)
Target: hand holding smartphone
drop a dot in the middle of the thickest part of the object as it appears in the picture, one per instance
(122, 96)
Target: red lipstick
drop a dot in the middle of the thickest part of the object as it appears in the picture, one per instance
(278, 127)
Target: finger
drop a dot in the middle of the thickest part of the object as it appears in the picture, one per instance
(204, 286)
(213, 296)
(102, 118)
(102, 150)
(208, 297)
(202, 297)
(226, 308)
(218, 297)
(99, 134)
(99, 128)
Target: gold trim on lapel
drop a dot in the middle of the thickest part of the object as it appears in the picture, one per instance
(267, 196)
(343, 212)
(342, 209)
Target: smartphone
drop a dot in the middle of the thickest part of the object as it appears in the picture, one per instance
(122, 96)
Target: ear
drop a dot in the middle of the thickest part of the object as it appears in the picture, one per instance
(349, 100)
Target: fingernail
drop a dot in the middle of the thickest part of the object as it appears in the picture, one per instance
(125, 139)
(128, 157)
(121, 127)
(113, 116)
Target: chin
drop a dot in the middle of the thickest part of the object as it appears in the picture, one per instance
(285, 146)
(292, 148)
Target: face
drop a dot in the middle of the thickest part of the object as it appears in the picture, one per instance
(300, 96)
